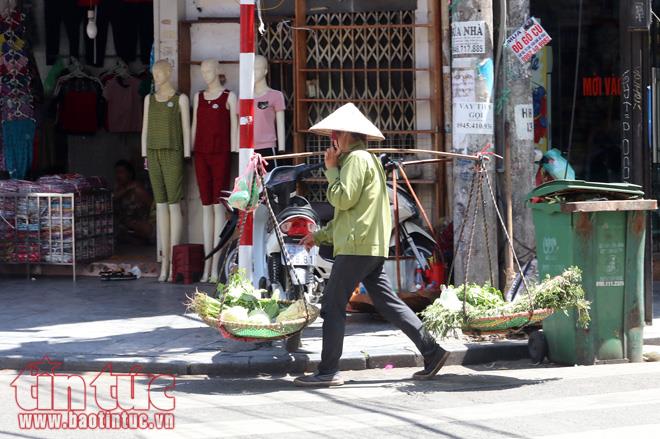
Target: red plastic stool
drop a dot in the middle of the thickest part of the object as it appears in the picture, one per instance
(187, 262)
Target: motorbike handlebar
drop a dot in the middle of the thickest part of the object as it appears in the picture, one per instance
(387, 162)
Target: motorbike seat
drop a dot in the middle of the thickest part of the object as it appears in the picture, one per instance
(296, 210)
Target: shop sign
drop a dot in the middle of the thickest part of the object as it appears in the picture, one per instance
(473, 118)
(524, 117)
(528, 40)
(639, 18)
(601, 86)
(468, 37)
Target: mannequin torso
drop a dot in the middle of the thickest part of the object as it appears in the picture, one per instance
(269, 110)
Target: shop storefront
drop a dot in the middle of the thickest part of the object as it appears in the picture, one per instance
(88, 117)
(594, 94)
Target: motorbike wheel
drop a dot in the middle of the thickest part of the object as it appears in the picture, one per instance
(227, 261)
(424, 246)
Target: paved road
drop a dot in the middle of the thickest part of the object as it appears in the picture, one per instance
(501, 400)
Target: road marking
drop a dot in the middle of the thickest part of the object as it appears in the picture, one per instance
(633, 431)
(376, 389)
(388, 418)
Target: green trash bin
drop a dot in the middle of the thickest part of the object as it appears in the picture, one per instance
(603, 235)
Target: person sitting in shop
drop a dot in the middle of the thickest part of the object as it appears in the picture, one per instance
(132, 206)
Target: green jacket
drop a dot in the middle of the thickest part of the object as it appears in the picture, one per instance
(362, 224)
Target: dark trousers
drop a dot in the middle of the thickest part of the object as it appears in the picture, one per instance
(347, 273)
(130, 22)
(57, 12)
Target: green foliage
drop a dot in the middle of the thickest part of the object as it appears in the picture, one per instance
(560, 293)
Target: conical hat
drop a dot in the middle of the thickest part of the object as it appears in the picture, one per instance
(348, 118)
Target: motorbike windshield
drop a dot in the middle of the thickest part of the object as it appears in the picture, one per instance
(282, 174)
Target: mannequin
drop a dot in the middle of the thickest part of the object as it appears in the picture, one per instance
(214, 137)
(165, 143)
(269, 131)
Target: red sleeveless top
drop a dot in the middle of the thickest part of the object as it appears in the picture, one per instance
(213, 127)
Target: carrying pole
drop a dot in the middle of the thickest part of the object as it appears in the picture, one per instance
(246, 120)
(448, 155)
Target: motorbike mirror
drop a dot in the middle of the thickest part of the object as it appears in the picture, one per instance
(384, 159)
(387, 162)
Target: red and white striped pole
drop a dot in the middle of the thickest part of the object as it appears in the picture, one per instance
(246, 119)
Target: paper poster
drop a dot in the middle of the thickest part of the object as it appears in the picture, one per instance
(524, 117)
(473, 118)
(468, 37)
(528, 40)
(462, 85)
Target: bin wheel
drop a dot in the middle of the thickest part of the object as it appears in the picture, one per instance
(537, 346)
(293, 343)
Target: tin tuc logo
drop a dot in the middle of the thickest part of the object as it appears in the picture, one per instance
(47, 399)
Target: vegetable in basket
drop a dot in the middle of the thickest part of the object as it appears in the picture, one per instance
(234, 314)
(560, 293)
(297, 310)
(258, 317)
(240, 302)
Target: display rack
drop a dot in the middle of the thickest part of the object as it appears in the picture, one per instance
(55, 229)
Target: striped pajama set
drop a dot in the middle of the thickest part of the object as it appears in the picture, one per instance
(165, 149)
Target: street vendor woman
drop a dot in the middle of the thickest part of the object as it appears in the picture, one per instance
(360, 233)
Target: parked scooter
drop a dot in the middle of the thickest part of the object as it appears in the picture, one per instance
(297, 217)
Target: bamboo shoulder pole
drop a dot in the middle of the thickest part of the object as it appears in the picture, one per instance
(451, 155)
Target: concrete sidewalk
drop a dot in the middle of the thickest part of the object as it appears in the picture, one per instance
(144, 322)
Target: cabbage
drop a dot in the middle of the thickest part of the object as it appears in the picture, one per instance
(295, 311)
(270, 307)
(234, 314)
(235, 291)
(259, 317)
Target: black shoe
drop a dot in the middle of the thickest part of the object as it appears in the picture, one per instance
(318, 380)
(432, 365)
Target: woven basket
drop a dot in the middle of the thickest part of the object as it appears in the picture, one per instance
(271, 331)
(509, 321)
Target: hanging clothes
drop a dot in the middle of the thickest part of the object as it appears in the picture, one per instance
(80, 105)
(124, 105)
(2, 155)
(18, 138)
(138, 27)
(16, 99)
(56, 13)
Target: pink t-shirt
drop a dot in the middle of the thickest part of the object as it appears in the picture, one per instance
(265, 129)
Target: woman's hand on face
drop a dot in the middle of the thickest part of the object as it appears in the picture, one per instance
(331, 157)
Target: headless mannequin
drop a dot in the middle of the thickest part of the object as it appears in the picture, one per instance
(168, 215)
(214, 216)
(260, 88)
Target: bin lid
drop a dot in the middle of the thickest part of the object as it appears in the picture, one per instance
(576, 187)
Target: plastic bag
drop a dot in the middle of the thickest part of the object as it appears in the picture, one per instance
(556, 165)
(449, 299)
(247, 187)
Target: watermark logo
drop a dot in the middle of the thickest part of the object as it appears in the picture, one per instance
(48, 399)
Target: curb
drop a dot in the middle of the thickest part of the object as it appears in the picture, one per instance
(250, 365)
